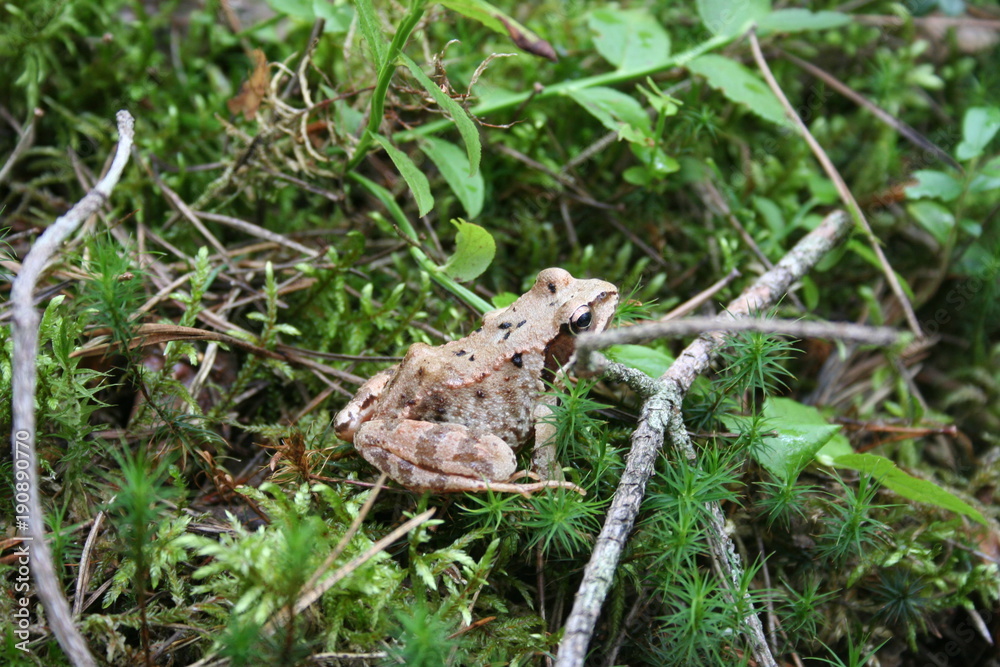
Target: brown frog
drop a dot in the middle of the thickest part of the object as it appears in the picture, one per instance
(449, 418)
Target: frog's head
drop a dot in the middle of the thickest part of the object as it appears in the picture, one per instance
(579, 307)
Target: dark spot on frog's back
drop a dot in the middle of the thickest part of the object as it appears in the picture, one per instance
(460, 353)
(552, 287)
(504, 325)
(480, 393)
(521, 324)
(506, 335)
(516, 360)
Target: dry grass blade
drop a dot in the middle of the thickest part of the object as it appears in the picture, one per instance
(845, 193)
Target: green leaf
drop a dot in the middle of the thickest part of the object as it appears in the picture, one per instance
(503, 23)
(724, 17)
(740, 85)
(797, 20)
(802, 431)
(338, 18)
(629, 38)
(978, 128)
(452, 163)
(653, 363)
(371, 30)
(906, 485)
(415, 178)
(933, 217)
(616, 110)
(474, 250)
(934, 184)
(466, 128)
(988, 177)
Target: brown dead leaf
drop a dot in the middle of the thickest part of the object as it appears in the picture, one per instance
(253, 89)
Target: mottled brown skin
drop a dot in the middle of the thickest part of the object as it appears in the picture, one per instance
(449, 418)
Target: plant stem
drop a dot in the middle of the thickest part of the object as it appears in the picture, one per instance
(385, 72)
(605, 79)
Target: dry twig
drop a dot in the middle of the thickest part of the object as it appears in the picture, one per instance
(26, 321)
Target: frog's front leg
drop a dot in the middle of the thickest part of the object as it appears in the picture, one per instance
(544, 458)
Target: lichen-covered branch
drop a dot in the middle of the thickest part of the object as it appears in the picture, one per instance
(661, 416)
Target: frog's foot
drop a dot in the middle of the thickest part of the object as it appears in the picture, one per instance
(540, 483)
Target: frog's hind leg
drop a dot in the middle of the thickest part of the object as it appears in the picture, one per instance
(435, 456)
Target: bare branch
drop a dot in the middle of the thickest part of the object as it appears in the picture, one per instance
(660, 413)
(26, 320)
(728, 323)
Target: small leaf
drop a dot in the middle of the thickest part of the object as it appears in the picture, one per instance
(629, 39)
(253, 89)
(616, 110)
(503, 23)
(988, 177)
(653, 363)
(740, 85)
(415, 178)
(724, 17)
(933, 217)
(372, 31)
(802, 431)
(466, 128)
(906, 485)
(978, 128)
(474, 250)
(797, 20)
(452, 164)
(934, 184)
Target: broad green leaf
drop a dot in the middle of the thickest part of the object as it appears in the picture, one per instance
(934, 184)
(724, 17)
(802, 431)
(933, 217)
(796, 20)
(503, 299)
(988, 177)
(740, 85)
(338, 18)
(466, 128)
(474, 250)
(978, 127)
(371, 30)
(628, 38)
(415, 178)
(653, 363)
(616, 110)
(453, 165)
(503, 23)
(906, 485)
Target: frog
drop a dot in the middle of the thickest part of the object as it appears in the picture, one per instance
(450, 418)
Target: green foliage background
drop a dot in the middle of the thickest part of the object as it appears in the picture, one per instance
(429, 181)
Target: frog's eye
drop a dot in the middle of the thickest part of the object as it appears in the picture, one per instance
(581, 319)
